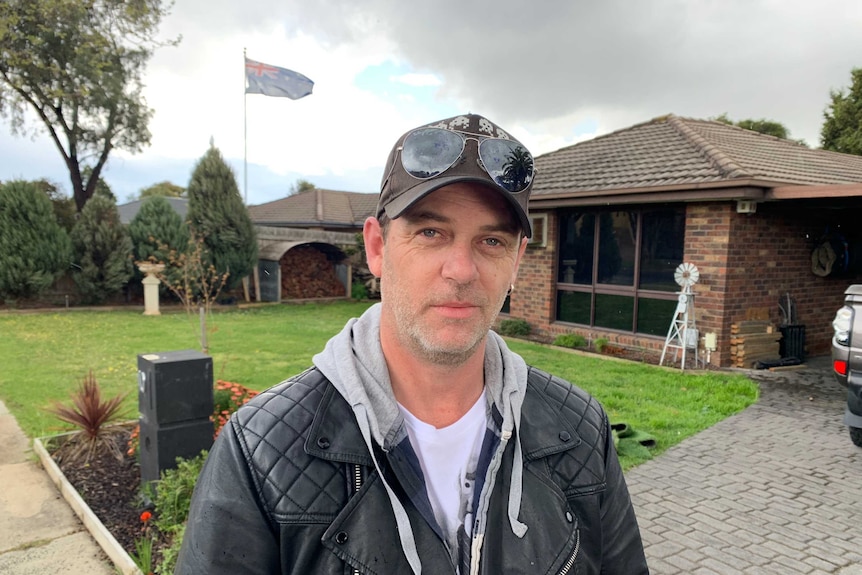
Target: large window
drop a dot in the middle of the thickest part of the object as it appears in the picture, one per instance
(616, 268)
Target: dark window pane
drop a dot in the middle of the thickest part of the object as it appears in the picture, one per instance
(506, 304)
(617, 235)
(614, 311)
(655, 315)
(576, 248)
(573, 307)
(662, 242)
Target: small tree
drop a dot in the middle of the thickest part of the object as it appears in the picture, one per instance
(34, 248)
(191, 276)
(102, 249)
(218, 215)
(156, 230)
(842, 128)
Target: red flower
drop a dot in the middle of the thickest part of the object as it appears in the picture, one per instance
(146, 516)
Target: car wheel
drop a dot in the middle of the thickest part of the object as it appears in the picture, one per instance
(856, 435)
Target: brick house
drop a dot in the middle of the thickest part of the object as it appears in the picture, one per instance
(766, 221)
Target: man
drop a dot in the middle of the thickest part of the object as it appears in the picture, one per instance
(418, 443)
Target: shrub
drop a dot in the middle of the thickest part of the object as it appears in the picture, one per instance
(102, 249)
(570, 340)
(227, 398)
(600, 343)
(172, 501)
(34, 248)
(359, 291)
(90, 415)
(514, 327)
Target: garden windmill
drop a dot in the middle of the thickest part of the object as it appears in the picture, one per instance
(682, 334)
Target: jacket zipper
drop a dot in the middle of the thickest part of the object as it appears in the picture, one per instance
(568, 566)
(357, 485)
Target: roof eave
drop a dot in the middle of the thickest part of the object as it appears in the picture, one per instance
(747, 189)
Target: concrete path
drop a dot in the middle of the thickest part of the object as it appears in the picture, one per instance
(776, 489)
(39, 533)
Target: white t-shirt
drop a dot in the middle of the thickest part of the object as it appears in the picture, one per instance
(448, 457)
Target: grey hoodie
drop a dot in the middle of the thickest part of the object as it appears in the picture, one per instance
(353, 361)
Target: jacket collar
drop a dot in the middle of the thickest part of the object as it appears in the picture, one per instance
(334, 434)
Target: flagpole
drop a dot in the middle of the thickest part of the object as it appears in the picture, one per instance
(244, 131)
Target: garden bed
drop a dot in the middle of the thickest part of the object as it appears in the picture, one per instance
(104, 494)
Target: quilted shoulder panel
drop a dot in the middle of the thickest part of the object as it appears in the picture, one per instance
(580, 469)
(293, 486)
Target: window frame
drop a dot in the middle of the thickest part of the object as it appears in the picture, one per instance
(596, 288)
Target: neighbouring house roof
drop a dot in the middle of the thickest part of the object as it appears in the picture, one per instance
(316, 208)
(129, 210)
(671, 153)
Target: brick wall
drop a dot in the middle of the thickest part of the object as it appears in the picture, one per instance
(747, 262)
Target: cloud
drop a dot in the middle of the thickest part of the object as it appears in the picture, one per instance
(418, 80)
(552, 73)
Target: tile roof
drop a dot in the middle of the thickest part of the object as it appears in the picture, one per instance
(674, 152)
(316, 208)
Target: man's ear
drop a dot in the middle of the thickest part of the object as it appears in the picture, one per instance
(372, 234)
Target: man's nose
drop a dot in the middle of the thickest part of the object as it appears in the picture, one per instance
(460, 263)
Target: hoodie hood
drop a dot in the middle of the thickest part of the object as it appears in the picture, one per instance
(353, 361)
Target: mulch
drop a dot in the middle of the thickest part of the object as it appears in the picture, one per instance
(111, 488)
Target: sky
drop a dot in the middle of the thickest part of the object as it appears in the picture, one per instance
(552, 73)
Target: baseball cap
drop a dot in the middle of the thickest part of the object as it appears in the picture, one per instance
(466, 148)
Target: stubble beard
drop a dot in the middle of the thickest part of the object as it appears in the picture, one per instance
(416, 336)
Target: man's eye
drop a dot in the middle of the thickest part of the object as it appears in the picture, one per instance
(493, 242)
(429, 233)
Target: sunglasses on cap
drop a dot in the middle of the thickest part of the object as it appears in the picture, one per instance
(428, 152)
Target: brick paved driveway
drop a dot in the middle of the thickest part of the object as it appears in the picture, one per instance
(776, 489)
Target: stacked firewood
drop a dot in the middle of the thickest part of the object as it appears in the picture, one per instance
(307, 273)
(752, 341)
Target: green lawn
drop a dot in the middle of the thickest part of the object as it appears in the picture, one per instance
(44, 355)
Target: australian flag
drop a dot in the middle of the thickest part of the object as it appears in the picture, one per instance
(274, 81)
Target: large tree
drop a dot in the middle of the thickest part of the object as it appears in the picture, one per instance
(218, 215)
(78, 65)
(842, 128)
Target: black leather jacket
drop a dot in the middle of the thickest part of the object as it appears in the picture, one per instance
(290, 487)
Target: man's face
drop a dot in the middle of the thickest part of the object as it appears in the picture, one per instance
(445, 267)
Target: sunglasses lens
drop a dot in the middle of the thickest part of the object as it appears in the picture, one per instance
(508, 163)
(430, 151)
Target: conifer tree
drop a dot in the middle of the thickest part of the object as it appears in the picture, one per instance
(103, 250)
(156, 229)
(218, 215)
(34, 248)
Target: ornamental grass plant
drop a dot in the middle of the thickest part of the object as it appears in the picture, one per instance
(91, 416)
